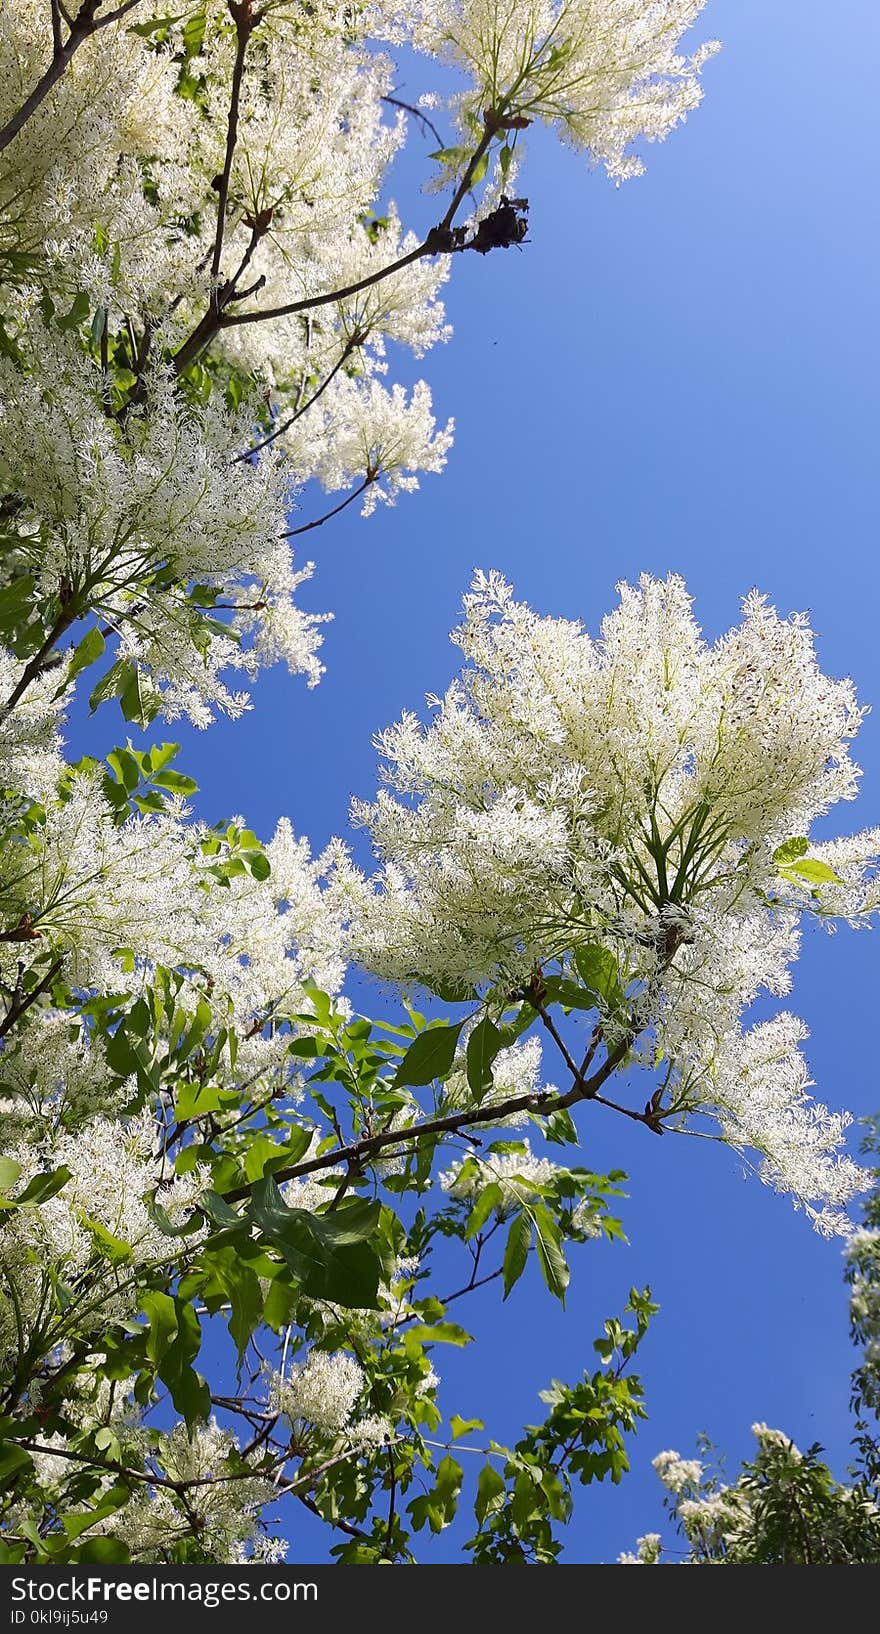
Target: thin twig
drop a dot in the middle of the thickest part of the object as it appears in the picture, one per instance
(328, 515)
(424, 121)
(19, 1009)
(266, 442)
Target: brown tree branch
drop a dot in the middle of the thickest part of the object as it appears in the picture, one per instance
(245, 23)
(21, 1006)
(540, 1102)
(37, 664)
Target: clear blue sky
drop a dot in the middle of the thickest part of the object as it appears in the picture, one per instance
(677, 375)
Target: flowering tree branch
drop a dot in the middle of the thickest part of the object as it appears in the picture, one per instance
(86, 23)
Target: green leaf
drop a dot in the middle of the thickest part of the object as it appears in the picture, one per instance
(90, 649)
(78, 313)
(440, 1333)
(175, 782)
(482, 1047)
(173, 1342)
(597, 968)
(113, 1248)
(155, 25)
(455, 157)
(81, 1520)
(813, 871)
(160, 1312)
(489, 1199)
(429, 1056)
(9, 1172)
(219, 1211)
(490, 1489)
(791, 850)
(14, 601)
(111, 684)
(242, 1287)
(551, 1259)
(13, 1463)
(516, 1250)
(329, 1255)
(138, 701)
(104, 1551)
(462, 1426)
(438, 1506)
(44, 1186)
(480, 168)
(125, 768)
(259, 865)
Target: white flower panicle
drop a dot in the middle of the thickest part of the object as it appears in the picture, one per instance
(648, 1551)
(677, 1473)
(322, 1391)
(604, 76)
(646, 797)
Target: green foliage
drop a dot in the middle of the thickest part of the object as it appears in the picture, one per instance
(525, 1497)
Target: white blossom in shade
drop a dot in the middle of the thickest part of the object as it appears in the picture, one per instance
(55, 1071)
(865, 1240)
(322, 1391)
(604, 73)
(379, 439)
(583, 1218)
(226, 1512)
(519, 1174)
(648, 1551)
(101, 895)
(259, 1551)
(114, 1171)
(428, 1383)
(370, 1434)
(50, 1466)
(108, 508)
(676, 1472)
(647, 797)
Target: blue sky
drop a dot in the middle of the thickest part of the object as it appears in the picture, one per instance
(680, 374)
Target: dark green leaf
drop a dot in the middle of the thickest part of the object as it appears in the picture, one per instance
(483, 1045)
(429, 1056)
(329, 1255)
(516, 1250)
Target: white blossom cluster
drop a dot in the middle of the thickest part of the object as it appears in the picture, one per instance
(650, 796)
(114, 1174)
(102, 894)
(322, 1391)
(647, 1552)
(226, 1512)
(603, 76)
(713, 1516)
